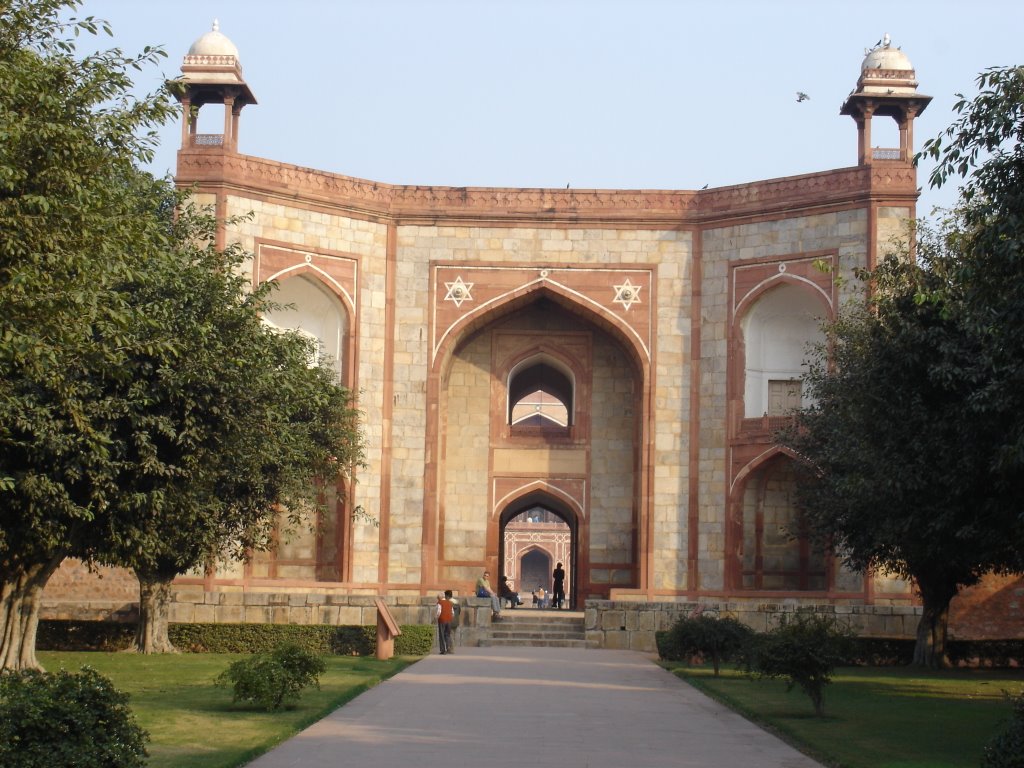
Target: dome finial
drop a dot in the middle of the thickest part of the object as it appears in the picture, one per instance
(216, 25)
(886, 40)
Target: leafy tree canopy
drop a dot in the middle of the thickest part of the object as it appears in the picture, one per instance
(147, 416)
(914, 444)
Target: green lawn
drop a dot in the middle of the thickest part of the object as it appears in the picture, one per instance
(194, 724)
(881, 717)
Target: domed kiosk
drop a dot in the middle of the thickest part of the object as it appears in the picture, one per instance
(212, 74)
(888, 87)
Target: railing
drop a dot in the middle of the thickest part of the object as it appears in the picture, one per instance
(552, 431)
(885, 153)
(765, 423)
(208, 140)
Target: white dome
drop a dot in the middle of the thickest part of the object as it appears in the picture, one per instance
(886, 57)
(213, 43)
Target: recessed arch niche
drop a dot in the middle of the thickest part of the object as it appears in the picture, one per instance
(306, 305)
(777, 331)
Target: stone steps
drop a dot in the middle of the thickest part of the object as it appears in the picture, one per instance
(549, 629)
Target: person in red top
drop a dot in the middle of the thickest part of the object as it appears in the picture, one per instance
(445, 616)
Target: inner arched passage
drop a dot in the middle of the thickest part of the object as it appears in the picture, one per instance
(537, 532)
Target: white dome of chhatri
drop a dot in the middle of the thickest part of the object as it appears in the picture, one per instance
(884, 56)
(213, 43)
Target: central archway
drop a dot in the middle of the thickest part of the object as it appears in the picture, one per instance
(590, 457)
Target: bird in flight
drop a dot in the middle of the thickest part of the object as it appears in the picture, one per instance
(801, 96)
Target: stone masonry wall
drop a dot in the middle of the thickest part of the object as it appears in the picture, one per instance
(632, 626)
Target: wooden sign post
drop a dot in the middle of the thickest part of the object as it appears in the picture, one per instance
(387, 630)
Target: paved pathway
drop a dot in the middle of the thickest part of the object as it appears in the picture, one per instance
(534, 708)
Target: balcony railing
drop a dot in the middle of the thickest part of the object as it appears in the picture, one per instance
(208, 140)
(885, 153)
(765, 423)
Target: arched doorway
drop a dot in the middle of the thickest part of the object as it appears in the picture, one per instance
(537, 532)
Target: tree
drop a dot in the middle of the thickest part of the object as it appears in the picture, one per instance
(913, 450)
(805, 650)
(985, 148)
(69, 232)
(893, 470)
(272, 680)
(148, 418)
(712, 637)
(227, 423)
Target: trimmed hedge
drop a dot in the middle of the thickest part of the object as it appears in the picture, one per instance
(54, 635)
(887, 651)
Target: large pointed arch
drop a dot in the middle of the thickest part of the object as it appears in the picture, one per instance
(635, 354)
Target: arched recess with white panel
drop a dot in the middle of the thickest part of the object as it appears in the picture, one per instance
(306, 305)
(776, 330)
(314, 295)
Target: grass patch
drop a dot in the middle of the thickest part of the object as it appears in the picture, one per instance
(194, 724)
(881, 717)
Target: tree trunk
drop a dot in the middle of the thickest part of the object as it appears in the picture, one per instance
(154, 602)
(21, 592)
(930, 649)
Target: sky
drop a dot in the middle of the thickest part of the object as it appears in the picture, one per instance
(606, 94)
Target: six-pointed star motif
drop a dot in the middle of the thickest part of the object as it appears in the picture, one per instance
(627, 294)
(459, 291)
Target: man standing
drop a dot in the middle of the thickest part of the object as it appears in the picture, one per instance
(559, 591)
(445, 617)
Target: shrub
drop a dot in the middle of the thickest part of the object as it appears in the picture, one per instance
(666, 650)
(67, 719)
(717, 639)
(1006, 749)
(415, 640)
(804, 650)
(271, 679)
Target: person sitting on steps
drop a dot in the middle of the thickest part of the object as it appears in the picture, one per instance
(505, 591)
(483, 589)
